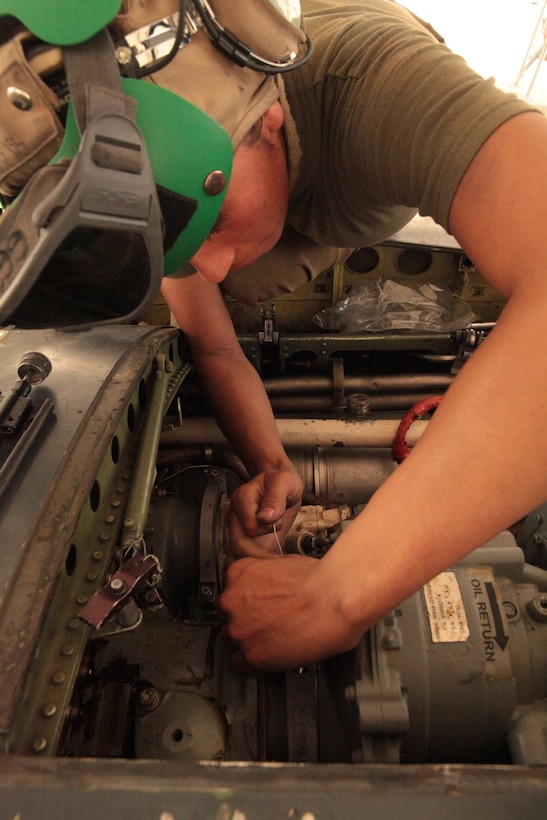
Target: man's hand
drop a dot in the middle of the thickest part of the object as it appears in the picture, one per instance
(272, 497)
(283, 613)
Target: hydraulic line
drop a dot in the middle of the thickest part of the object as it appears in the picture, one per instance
(400, 449)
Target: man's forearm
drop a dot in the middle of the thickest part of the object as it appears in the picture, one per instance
(242, 409)
(478, 468)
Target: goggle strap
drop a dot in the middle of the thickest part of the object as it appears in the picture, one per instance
(103, 94)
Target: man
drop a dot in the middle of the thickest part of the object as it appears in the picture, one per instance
(388, 121)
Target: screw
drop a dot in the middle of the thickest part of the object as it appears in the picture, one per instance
(206, 593)
(19, 98)
(117, 586)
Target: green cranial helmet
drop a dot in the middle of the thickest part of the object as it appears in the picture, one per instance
(57, 22)
(124, 122)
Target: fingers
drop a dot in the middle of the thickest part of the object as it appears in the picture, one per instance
(282, 490)
(242, 546)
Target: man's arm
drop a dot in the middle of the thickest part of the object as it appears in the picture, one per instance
(480, 465)
(240, 405)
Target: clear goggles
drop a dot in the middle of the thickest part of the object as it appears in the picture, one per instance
(265, 35)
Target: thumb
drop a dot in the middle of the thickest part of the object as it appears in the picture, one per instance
(274, 501)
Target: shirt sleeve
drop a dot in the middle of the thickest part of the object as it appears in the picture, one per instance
(387, 116)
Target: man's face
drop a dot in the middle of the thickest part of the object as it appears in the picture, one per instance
(253, 213)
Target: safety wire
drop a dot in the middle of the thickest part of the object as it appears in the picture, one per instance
(277, 539)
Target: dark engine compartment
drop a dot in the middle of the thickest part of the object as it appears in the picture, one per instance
(116, 676)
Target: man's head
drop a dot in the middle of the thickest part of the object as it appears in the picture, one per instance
(253, 213)
(208, 89)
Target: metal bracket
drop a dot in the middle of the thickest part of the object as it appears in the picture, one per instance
(270, 334)
(132, 576)
(468, 340)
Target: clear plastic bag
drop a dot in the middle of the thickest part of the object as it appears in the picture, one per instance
(391, 304)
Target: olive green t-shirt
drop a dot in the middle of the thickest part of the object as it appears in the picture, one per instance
(386, 120)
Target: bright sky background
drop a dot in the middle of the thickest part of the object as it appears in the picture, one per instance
(492, 35)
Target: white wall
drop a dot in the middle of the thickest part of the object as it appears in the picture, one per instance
(492, 35)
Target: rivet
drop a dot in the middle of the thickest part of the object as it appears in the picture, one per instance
(215, 182)
(74, 623)
(110, 519)
(103, 536)
(39, 744)
(19, 98)
(123, 55)
(91, 576)
(97, 555)
(49, 709)
(58, 678)
(81, 599)
(67, 650)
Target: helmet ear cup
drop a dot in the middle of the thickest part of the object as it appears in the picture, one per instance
(58, 22)
(185, 147)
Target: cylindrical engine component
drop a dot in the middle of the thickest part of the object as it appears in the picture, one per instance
(344, 475)
(440, 679)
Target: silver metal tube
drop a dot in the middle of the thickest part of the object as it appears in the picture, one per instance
(396, 383)
(344, 475)
(314, 404)
(302, 432)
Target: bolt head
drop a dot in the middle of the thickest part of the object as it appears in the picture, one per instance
(214, 183)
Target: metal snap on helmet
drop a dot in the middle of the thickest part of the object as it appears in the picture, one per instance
(136, 184)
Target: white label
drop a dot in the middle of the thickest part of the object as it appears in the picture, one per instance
(447, 618)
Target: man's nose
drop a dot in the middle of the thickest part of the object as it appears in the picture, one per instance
(213, 265)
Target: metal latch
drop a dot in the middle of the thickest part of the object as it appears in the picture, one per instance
(270, 334)
(136, 573)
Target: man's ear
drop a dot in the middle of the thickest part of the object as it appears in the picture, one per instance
(273, 119)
